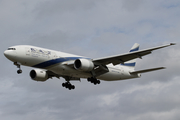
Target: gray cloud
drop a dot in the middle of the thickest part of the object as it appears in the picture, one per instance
(93, 29)
(60, 6)
(132, 5)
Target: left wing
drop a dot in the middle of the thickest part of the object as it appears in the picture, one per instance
(121, 59)
(147, 70)
(52, 74)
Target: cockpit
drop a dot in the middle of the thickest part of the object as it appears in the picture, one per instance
(10, 53)
(11, 48)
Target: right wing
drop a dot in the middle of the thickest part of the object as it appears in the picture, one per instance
(121, 59)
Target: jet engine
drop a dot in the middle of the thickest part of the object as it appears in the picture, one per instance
(83, 65)
(39, 75)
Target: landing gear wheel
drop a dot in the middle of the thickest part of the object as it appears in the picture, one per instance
(19, 71)
(68, 85)
(18, 66)
(63, 85)
(93, 80)
(89, 79)
(73, 87)
(98, 81)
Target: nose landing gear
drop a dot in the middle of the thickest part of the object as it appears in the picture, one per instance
(19, 71)
(18, 66)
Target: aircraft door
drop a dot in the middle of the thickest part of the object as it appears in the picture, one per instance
(28, 51)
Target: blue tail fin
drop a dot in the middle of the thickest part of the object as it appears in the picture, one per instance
(131, 64)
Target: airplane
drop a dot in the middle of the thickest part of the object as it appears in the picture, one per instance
(50, 63)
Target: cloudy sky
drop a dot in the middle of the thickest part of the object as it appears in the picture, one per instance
(92, 28)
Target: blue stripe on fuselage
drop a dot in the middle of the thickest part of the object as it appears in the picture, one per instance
(55, 61)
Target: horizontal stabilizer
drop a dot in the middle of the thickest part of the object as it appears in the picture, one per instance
(147, 70)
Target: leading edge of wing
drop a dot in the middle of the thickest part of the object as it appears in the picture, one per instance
(118, 59)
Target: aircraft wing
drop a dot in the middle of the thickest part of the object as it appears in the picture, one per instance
(121, 59)
(52, 74)
(147, 70)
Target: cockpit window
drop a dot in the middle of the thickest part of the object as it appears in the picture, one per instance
(11, 48)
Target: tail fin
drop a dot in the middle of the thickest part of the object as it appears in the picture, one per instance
(131, 64)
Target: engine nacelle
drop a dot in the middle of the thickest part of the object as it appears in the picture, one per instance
(83, 65)
(39, 75)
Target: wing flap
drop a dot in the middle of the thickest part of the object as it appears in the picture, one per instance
(100, 70)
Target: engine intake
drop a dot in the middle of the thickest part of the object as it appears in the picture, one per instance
(39, 75)
(83, 65)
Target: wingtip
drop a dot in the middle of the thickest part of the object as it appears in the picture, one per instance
(172, 43)
(163, 67)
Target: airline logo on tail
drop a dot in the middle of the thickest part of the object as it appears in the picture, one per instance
(132, 63)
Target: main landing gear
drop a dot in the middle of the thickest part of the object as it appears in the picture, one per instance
(93, 80)
(18, 66)
(68, 85)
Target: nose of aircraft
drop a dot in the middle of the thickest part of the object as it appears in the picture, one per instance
(11, 55)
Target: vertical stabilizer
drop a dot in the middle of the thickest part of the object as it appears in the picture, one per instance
(131, 64)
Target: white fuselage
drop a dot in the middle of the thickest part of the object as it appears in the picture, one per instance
(59, 63)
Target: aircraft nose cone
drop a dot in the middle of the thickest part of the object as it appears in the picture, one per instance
(6, 53)
(11, 55)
